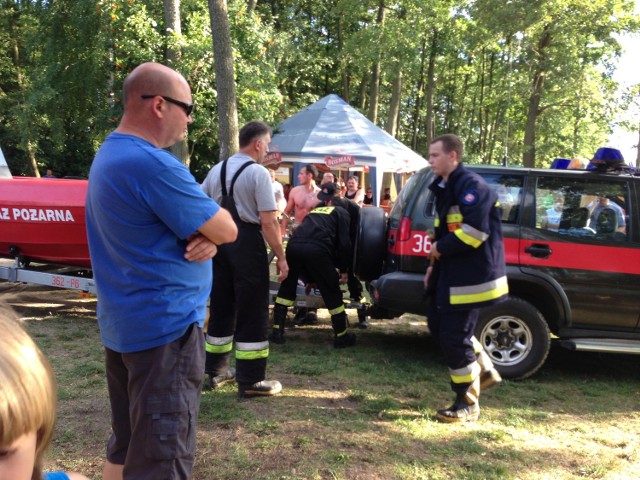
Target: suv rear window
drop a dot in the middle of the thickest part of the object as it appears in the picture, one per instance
(583, 207)
(407, 193)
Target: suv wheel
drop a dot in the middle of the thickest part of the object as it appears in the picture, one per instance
(516, 337)
(371, 244)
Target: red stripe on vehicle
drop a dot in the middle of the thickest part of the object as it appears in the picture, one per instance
(580, 256)
(570, 255)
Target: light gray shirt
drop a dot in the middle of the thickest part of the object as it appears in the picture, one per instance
(252, 192)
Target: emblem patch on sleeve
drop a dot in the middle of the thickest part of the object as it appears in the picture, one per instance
(470, 197)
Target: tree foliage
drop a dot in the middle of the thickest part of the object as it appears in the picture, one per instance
(524, 80)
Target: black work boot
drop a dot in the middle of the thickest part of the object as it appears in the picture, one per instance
(342, 338)
(306, 316)
(300, 314)
(216, 381)
(466, 407)
(344, 341)
(277, 336)
(460, 411)
(279, 317)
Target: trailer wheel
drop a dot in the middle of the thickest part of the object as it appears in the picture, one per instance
(371, 244)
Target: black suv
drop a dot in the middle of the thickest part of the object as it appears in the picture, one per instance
(572, 247)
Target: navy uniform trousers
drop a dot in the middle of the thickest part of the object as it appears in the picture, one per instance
(239, 309)
(314, 263)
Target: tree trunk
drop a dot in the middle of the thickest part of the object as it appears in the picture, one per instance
(374, 89)
(344, 71)
(33, 162)
(251, 5)
(458, 116)
(431, 87)
(174, 27)
(26, 140)
(374, 93)
(491, 139)
(529, 156)
(363, 93)
(394, 107)
(225, 84)
(418, 97)
(481, 102)
(533, 110)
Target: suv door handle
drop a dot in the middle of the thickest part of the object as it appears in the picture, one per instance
(539, 250)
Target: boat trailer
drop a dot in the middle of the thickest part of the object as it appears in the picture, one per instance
(74, 278)
(56, 276)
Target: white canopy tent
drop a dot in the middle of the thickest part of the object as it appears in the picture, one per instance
(4, 168)
(333, 133)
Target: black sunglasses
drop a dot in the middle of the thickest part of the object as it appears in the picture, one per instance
(188, 107)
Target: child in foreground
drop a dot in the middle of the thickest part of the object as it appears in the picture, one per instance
(27, 405)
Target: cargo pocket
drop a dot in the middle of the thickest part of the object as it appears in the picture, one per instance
(170, 427)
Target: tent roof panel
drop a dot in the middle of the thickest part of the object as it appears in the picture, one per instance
(331, 126)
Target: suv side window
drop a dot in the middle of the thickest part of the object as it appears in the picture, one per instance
(595, 208)
(508, 188)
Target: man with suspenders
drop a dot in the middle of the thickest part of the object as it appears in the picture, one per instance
(239, 310)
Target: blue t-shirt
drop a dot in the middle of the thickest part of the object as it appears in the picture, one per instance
(142, 205)
(55, 476)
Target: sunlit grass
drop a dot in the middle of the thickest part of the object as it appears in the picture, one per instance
(368, 412)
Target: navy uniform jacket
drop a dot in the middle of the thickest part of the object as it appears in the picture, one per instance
(327, 228)
(353, 210)
(471, 271)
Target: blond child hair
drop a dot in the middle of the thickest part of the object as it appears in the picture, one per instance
(27, 389)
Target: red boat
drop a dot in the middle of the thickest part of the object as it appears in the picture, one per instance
(42, 220)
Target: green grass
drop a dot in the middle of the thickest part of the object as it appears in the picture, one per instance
(368, 412)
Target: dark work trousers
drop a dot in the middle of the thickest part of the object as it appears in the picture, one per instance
(314, 263)
(453, 330)
(240, 307)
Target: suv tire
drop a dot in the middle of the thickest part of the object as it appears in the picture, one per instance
(371, 244)
(516, 337)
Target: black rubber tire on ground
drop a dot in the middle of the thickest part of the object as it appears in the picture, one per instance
(516, 337)
(371, 244)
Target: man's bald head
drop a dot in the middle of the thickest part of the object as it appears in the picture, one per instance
(157, 103)
(151, 79)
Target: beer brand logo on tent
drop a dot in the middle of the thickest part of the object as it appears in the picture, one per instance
(341, 161)
(272, 158)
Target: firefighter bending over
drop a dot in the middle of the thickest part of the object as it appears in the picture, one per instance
(319, 247)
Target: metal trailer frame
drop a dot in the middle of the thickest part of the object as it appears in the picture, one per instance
(313, 299)
(56, 276)
(74, 278)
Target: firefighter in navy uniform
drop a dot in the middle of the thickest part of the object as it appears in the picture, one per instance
(466, 271)
(319, 248)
